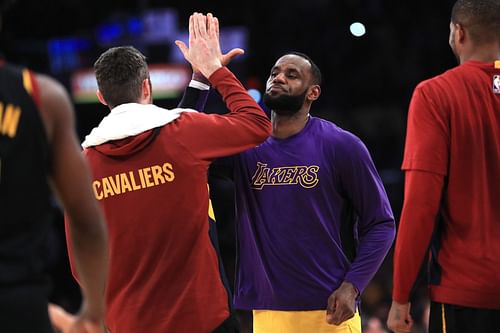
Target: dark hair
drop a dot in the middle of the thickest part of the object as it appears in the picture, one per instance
(120, 72)
(315, 72)
(480, 17)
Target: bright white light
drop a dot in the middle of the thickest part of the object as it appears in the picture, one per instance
(256, 95)
(357, 29)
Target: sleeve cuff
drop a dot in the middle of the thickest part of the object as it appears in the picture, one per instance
(198, 85)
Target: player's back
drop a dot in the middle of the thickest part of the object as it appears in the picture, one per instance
(473, 108)
(467, 108)
(24, 191)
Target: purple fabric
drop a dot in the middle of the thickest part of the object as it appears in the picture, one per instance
(291, 197)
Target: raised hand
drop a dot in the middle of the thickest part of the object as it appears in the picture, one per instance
(226, 58)
(204, 52)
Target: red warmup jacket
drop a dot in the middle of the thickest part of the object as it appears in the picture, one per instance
(164, 274)
(452, 188)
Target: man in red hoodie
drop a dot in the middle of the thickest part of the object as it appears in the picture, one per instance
(150, 175)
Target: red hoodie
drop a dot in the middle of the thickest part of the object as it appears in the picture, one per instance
(164, 274)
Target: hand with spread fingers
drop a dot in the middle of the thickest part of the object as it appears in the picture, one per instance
(204, 53)
(342, 304)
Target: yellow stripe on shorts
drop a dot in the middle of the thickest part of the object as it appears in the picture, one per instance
(211, 213)
(443, 318)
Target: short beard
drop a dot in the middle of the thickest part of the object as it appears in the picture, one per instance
(285, 105)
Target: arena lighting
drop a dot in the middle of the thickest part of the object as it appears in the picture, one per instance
(109, 33)
(168, 81)
(65, 53)
(357, 29)
(256, 95)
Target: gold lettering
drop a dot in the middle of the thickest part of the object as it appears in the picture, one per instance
(141, 176)
(260, 176)
(125, 183)
(9, 120)
(310, 177)
(148, 176)
(306, 176)
(97, 192)
(115, 184)
(107, 187)
(290, 172)
(169, 172)
(300, 170)
(276, 175)
(157, 176)
(280, 173)
(135, 187)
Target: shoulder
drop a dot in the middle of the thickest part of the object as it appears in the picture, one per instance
(334, 133)
(55, 104)
(342, 144)
(441, 83)
(50, 88)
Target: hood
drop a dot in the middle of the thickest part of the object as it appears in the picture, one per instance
(129, 128)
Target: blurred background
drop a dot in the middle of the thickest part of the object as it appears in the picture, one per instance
(372, 54)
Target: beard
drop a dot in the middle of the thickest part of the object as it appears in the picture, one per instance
(285, 104)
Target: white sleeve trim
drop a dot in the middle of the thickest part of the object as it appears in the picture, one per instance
(199, 85)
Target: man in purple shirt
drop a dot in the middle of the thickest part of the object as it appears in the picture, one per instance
(313, 220)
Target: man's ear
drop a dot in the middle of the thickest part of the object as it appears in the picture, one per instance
(459, 34)
(100, 97)
(146, 90)
(314, 92)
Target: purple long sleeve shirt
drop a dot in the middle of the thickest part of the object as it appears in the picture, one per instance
(304, 206)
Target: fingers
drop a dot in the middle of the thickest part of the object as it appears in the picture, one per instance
(339, 315)
(93, 328)
(182, 47)
(211, 26)
(204, 49)
(59, 318)
(338, 311)
(226, 58)
(191, 29)
(403, 325)
(216, 22)
(200, 25)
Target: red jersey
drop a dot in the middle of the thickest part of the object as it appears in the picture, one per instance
(453, 136)
(164, 274)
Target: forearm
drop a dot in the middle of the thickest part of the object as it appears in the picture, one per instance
(239, 102)
(196, 94)
(420, 207)
(89, 251)
(372, 249)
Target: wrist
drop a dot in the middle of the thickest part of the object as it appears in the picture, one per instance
(198, 76)
(210, 69)
(352, 287)
(93, 311)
